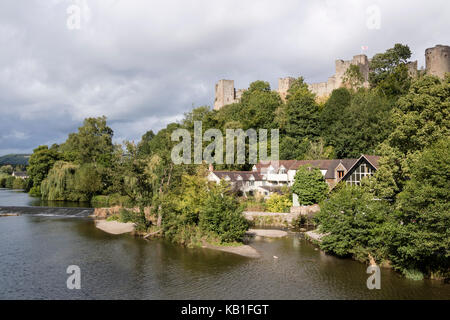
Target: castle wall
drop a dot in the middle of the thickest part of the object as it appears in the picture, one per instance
(324, 89)
(437, 60)
(283, 86)
(437, 63)
(225, 94)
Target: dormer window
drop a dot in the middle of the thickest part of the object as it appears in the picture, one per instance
(341, 174)
(282, 170)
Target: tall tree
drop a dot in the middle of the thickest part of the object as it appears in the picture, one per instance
(389, 70)
(40, 163)
(91, 144)
(421, 118)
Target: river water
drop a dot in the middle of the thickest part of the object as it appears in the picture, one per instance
(35, 251)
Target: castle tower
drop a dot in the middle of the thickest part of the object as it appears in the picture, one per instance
(360, 60)
(437, 60)
(225, 93)
(284, 84)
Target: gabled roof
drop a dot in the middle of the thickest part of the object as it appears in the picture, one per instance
(328, 165)
(234, 175)
(371, 160)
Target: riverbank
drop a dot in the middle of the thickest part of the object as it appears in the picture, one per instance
(242, 250)
(115, 227)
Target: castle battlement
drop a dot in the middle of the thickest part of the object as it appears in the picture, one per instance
(437, 64)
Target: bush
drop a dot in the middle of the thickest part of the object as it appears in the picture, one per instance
(100, 201)
(355, 223)
(279, 203)
(222, 216)
(35, 191)
(112, 200)
(113, 218)
(309, 186)
(18, 184)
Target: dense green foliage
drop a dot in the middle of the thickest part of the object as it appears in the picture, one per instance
(400, 215)
(309, 186)
(353, 220)
(10, 182)
(409, 223)
(421, 241)
(279, 202)
(40, 163)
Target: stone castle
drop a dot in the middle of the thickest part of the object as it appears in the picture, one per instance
(437, 60)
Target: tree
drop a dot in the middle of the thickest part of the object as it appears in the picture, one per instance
(91, 144)
(419, 238)
(309, 185)
(352, 222)
(355, 123)
(7, 169)
(420, 118)
(60, 183)
(259, 104)
(302, 112)
(144, 144)
(384, 64)
(40, 163)
(353, 77)
(221, 215)
(88, 180)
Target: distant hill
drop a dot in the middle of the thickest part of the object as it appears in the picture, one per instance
(14, 159)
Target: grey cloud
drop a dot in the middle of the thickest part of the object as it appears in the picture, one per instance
(144, 63)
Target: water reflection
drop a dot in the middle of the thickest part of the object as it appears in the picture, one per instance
(35, 252)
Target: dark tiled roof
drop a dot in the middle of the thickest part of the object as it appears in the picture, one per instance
(329, 165)
(373, 160)
(20, 174)
(246, 175)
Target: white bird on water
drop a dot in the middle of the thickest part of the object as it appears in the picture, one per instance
(275, 257)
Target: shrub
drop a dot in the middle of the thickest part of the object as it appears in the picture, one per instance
(222, 216)
(113, 218)
(279, 203)
(18, 184)
(354, 221)
(309, 186)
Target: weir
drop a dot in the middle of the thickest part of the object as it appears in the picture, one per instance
(48, 211)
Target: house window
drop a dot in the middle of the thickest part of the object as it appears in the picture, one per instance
(251, 183)
(340, 174)
(361, 172)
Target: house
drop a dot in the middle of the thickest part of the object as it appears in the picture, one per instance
(268, 177)
(21, 175)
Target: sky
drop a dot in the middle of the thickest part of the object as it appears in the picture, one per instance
(143, 64)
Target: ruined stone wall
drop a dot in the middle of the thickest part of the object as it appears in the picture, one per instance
(283, 86)
(226, 94)
(437, 63)
(324, 89)
(437, 60)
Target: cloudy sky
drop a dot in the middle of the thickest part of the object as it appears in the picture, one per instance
(144, 63)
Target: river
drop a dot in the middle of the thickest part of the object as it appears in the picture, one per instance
(35, 251)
